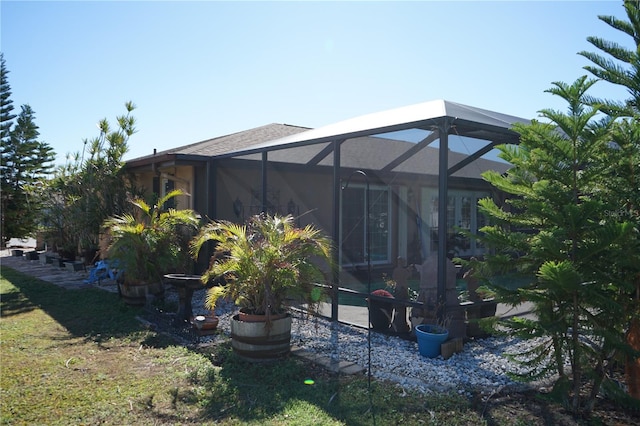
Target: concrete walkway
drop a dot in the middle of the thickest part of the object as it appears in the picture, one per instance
(359, 316)
(53, 273)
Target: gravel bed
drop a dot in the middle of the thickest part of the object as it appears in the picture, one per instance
(480, 367)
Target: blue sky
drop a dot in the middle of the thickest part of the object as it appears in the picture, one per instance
(197, 70)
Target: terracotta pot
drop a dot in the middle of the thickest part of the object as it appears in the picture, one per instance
(243, 316)
(205, 325)
(632, 367)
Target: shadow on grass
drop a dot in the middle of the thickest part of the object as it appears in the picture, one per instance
(277, 392)
(86, 312)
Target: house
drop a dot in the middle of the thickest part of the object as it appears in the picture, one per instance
(379, 169)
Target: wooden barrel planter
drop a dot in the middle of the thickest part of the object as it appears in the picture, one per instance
(133, 294)
(256, 342)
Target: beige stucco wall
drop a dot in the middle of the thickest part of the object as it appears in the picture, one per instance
(182, 177)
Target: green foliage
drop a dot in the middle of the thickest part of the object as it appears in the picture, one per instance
(153, 241)
(26, 161)
(85, 192)
(265, 262)
(6, 104)
(621, 66)
(555, 230)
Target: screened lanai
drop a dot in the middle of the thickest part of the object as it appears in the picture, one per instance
(383, 183)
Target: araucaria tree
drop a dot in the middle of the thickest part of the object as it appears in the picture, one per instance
(556, 231)
(26, 162)
(621, 66)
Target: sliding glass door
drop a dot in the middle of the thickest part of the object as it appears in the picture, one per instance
(365, 222)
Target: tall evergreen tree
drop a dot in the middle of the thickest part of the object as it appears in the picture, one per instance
(6, 104)
(619, 65)
(553, 231)
(24, 163)
(6, 122)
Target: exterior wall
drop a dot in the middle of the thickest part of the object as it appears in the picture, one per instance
(144, 181)
(307, 194)
(182, 177)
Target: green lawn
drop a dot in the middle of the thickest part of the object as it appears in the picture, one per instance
(81, 357)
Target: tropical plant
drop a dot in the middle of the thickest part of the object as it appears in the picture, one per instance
(153, 241)
(265, 263)
(91, 187)
(554, 231)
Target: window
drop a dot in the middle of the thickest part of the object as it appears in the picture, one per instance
(356, 223)
(169, 185)
(462, 215)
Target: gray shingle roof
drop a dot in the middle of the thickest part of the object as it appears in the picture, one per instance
(229, 143)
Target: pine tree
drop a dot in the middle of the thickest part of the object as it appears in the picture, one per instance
(25, 164)
(621, 66)
(25, 161)
(6, 104)
(553, 231)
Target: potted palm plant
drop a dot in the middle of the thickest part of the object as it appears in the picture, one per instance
(149, 243)
(266, 265)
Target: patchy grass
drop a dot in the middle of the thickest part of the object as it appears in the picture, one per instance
(81, 357)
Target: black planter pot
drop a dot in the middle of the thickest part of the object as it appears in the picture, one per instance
(381, 314)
